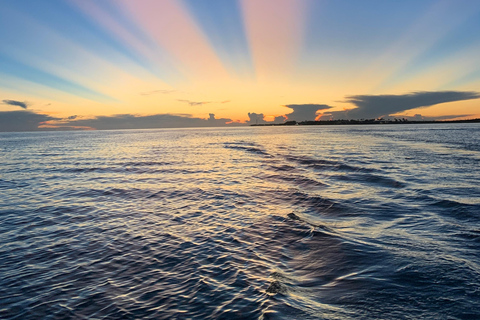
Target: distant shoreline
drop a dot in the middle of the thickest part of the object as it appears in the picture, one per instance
(355, 122)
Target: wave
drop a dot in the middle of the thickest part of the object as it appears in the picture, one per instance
(228, 224)
(248, 147)
(322, 164)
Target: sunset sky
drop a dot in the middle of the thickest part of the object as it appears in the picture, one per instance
(85, 63)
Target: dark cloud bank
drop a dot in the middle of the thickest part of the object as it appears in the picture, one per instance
(129, 121)
(368, 106)
(376, 106)
(22, 120)
(30, 121)
(302, 112)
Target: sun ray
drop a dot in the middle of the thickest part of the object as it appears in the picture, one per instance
(169, 24)
(275, 30)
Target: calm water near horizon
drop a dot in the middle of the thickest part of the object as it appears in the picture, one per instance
(305, 222)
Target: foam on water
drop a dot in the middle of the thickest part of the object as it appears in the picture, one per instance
(353, 222)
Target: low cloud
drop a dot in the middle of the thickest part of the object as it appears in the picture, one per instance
(334, 115)
(22, 120)
(255, 118)
(31, 121)
(131, 121)
(375, 106)
(194, 103)
(217, 122)
(148, 93)
(302, 112)
(280, 119)
(16, 103)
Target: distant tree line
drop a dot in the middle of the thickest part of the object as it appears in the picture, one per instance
(363, 121)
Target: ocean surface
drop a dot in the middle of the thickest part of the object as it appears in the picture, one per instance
(302, 222)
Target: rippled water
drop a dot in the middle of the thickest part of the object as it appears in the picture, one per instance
(340, 222)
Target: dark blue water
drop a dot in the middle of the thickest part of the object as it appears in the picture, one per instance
(338, 222)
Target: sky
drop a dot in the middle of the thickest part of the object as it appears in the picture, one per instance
(107, 64)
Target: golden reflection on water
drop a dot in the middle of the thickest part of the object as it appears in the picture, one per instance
(305, 222)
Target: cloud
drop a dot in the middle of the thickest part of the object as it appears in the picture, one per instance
(255, 118)
(148, 93)
(22, 120)
(333, 115)
(20, 104)
(280, 119)
(131, 121)
(31, 121)
(217, 122)
(194, 103)
(199, 103)
(303, 112)
(375, 106)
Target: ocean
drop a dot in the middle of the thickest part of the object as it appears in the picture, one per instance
(288, 222)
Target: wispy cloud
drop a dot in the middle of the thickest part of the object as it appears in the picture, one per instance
(374, 106)
(194, 103)
(148, 93)
(16, 103)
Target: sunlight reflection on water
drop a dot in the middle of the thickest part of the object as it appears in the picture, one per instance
(259, 222)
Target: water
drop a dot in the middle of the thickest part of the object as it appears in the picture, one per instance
(340, 222)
